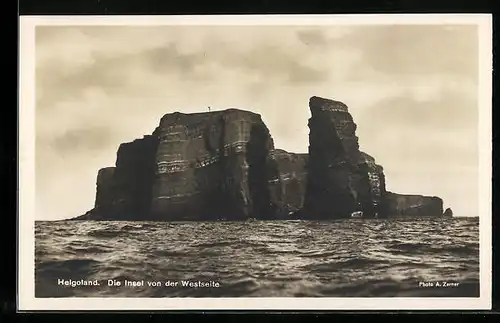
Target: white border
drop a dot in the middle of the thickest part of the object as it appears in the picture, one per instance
(26, 243)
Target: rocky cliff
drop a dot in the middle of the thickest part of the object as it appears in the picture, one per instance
(291, 181)
(414, 205)
(212, 165)
(223, 166)
(124, 192)
(202, 166)
(341, 178)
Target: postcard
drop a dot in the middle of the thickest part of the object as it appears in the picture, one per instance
(267, 162)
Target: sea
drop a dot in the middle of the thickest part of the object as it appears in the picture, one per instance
(423, 257)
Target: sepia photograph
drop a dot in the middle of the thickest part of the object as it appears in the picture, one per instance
(278, 162)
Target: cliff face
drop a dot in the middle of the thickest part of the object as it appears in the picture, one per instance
(211, 166)
(105, 189)
(133, 178)
(341, 179)
(290, 181)
(203, 166)
(124, 191)
(223, 166)
(414, 205)
(371, 185)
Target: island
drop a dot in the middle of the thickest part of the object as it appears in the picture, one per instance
(222, 165)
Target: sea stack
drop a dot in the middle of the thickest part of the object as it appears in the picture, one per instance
(341, 179)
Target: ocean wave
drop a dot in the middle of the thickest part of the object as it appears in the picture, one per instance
(342, 258)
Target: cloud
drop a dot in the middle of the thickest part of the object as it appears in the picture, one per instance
(417, 50)
(411, 89)
(389, 53)
(113, 66)
(90, 138)
(444, 110)
(313, 37)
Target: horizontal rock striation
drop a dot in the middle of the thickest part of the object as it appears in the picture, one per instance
(205, 166)
(212, 166)
(223, 166)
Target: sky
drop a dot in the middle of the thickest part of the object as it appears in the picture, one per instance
(411, 89)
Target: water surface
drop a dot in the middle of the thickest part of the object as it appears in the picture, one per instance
(342, 258)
